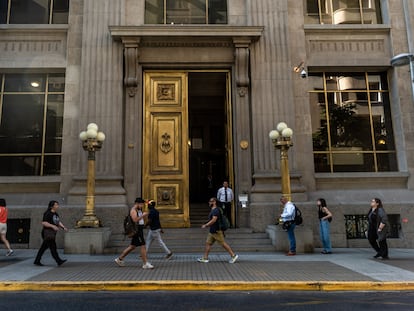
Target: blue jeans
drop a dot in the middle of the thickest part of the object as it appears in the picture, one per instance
(292, 239)
(324, 226)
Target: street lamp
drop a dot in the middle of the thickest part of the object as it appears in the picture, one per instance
(402, 60)
(282, 140)
(92, 141)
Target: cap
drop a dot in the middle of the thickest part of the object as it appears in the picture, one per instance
(139, 200)
(151, 203)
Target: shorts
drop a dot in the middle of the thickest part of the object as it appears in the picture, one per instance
(215, 237)
(3, 228)
(138, 238)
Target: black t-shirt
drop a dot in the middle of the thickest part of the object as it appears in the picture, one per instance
(214, 212)
(52, 218)
(154, 219)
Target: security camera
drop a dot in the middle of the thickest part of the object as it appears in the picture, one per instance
(303, 74)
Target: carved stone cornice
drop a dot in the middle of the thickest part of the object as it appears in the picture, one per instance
(194, 32)
(227, 36)
(164, 43)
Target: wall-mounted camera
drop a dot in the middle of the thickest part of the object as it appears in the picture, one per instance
(300, 68)
(303, 74)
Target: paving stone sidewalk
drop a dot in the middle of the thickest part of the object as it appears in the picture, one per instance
(344, 265)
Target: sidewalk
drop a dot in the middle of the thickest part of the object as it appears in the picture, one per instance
(345, 269)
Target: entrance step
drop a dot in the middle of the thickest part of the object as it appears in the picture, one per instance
(199, 214)
(192, 240)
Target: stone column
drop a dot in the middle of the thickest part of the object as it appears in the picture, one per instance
(272, 102)
(101, 102)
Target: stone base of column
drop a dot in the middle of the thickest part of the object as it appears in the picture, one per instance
(86, 240)
(279, 237)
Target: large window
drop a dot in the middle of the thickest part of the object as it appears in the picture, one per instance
(186, 12)
(351, 123)
(343, 12)
(31, 120)
(34, 11)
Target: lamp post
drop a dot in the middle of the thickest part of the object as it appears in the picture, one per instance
(402, 60)
(92, 141)
(282, 140)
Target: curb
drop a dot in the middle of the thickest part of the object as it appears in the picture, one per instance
(205, 286)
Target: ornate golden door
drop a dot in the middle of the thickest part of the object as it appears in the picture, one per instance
(165, 149)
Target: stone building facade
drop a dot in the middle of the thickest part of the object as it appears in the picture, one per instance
(182, 94)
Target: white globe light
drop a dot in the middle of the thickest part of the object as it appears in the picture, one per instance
(92, 126)
(91, 133)
(100, 136)
(83, 136)
(281, 126)
(273, 134)
(287, 132)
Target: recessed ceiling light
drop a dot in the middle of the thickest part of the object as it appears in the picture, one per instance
(34, 84)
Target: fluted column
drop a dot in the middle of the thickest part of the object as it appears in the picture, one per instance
(101, 91)
(100, 101)
(272, 94)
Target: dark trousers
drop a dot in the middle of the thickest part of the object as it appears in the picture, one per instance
(226, 206)
(380, 247)
(53, 250)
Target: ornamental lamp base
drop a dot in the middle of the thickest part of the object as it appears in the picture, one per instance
(88, 222)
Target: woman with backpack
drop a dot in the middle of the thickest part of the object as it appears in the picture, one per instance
(325, 217)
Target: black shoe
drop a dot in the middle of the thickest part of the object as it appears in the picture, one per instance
(38, 264)
(377, 255)
(62, 262)
(385, 257)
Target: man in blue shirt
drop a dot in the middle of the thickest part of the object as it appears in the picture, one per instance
(215, 234)
(288, 216)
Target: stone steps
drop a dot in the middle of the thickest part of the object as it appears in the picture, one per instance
(192, 240)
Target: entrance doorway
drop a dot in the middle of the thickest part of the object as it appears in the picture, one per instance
(209, 126)
(187, 139)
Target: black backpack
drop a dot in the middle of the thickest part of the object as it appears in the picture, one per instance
(130, 227)
(298, 216)
(224, 222)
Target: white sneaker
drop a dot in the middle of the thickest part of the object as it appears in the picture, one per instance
(147, 266)
(202, 259)
(233, 259)
(10, 252)
(119, 262)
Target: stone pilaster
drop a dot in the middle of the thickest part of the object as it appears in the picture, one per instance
(241, 112)
(101, 97)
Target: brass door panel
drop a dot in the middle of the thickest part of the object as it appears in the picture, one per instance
(165, 152)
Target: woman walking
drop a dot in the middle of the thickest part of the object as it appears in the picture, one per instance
(51, 224)
(3, 226)
(378, 228)
(325, 217)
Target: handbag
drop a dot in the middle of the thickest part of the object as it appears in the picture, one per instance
(48, 234)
